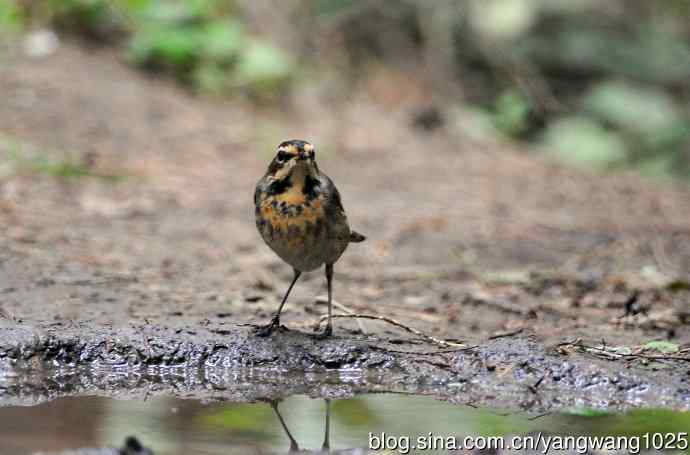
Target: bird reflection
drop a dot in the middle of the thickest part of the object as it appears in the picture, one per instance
(325, 447)
(294, 447)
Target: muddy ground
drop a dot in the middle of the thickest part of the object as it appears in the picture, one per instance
(145, 275)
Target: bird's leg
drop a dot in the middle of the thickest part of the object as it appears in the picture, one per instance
(328, 331)
(266, 330)
(326, 438)
(294, 447)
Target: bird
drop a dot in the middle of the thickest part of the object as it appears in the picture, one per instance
(300, 216)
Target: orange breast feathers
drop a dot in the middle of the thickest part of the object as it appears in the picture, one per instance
(292, 196)
(290, 209)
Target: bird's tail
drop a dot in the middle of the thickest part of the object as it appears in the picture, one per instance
(356, 237)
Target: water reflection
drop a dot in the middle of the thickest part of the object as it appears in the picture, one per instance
(295, 425)
(294, 446)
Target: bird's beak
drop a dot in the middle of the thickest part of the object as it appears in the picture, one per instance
(303, 156)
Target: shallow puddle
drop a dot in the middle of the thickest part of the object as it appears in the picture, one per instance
(175, 426)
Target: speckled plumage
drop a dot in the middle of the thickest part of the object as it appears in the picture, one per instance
(305, 232)
(300, 215)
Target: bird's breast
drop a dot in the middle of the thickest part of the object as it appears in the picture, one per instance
(289, 225)
(302, 227)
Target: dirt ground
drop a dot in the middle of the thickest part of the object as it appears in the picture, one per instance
(467, 240)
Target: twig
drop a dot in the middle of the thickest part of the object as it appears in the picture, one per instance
(539, 416)
(533, 388)
(617, 355)
(445, 351)
(395, 323)
(506, 334)
(345, 309)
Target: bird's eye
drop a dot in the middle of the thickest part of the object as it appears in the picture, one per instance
(282, 157)
(311, 154)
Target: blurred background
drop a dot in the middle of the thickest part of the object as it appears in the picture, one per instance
(600, 85)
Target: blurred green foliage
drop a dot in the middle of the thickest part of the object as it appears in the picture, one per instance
(602, 86)
(512, 111)
(202, 43)
(95, 19)
(620, 79)
(10, 17)
(582, 141)
(598, 85)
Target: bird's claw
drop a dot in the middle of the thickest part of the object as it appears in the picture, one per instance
(327, 333)
(267, 330)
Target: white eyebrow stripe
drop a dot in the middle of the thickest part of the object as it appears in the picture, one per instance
(291, 150)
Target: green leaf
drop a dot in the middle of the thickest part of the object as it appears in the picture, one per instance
(262, 65)
(583, 142)
(512, 113)
(665, 347)
(166, 46)
(222, 40)
(633, 107)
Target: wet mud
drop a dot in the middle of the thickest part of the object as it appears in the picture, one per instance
(230, 363)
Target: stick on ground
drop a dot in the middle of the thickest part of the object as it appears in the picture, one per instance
(395, 323)
(340, 306)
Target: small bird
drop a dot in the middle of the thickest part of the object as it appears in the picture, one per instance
(301, 218)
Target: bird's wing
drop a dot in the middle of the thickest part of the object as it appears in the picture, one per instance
(331, 194)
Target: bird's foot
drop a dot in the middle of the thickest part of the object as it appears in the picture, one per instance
(267, 330)
(327, 333)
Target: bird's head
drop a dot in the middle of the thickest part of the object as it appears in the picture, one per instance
(294, 159)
